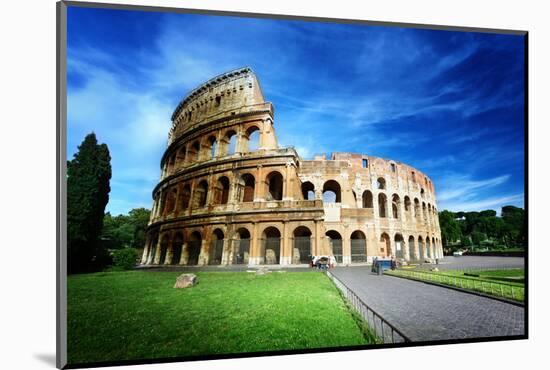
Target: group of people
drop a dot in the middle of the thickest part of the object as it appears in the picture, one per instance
(323, 262)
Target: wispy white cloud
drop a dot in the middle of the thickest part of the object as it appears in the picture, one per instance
(495, 203)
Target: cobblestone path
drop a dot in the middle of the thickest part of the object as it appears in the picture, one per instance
(427, 312)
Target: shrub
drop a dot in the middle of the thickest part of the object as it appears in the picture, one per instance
(125, 258)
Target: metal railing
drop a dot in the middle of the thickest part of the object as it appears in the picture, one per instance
(381, 328)
(495, 288)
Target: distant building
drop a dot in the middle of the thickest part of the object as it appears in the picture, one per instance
(228, 194)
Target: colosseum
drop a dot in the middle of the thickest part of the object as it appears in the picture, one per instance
(229, 194)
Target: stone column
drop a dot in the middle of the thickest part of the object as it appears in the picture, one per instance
(157, 252)
(146, 250)
(316, 250)
(184, 253)
(260, 185)
(286, 250)
(254, 258)
(287, 192)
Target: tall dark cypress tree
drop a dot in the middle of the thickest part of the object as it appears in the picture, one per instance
(88, 175)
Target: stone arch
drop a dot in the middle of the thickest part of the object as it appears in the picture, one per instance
(335, 242)
(301, 252)
(245, 188)
(416, 208)
(271, 245)
(421, 250)
(241, 246)
(358, 246)
(422, 193)
(193, 152)
(194, 248)
(382, 205)
(185, 197)
(412, 252)
(164, 244)
(424, 214)
(381, 183)
(221, 191)
(367, 199)
(407, 203)
(211, 147)
(395, 206)
(216, 247)
(308, 190)
(177, 247)
(152, 248)
(332, 192)
(230, 142)
(274, 184)
(435, 253)
(252, 142)
(399, 243)
(200, 194)
(385, 245)
(171, 200)
(429, 251)
(180, 156)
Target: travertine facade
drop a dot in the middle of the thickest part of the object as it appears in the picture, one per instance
(229, 194)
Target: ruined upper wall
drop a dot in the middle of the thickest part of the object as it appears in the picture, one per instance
(229, 94)
(398, 176)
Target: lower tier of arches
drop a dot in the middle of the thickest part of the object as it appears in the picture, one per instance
(283, 243)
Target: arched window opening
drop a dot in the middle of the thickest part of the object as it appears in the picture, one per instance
(424, 214)
(429, 251)
(274, 183)
(416, 208)
(396, 205)
(177, 245)
(332, 192)
(382, 205)
(180, 157)
(399, 246)
(216, 248)
(421, 251)
(302, 245)
(200, 194)
(185, 196)
(381, 183)
(222, 191)
(194, 248)
(422, 192)
(271, 246)
(385, 245)
(163, 249)
(193, 152)
(241, 246)
(308, 191)
(358, 246)
(335, 242)
(253, 139)
(367, 199)
(232, 142)
(171, 201)
(412, 253)
(407, 204)
(213, 144)
(246, 188)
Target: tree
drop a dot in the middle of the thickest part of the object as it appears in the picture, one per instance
(450, 227)
(139, 218)
(88, 176)
(124, 231)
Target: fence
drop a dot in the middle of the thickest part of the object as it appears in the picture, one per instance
(498, 289)
(382, 329)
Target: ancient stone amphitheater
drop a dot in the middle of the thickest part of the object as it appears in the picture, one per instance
(228, 194)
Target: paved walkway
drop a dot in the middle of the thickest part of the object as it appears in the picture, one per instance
(427, 312)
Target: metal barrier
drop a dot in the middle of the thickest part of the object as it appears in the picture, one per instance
(385, 331)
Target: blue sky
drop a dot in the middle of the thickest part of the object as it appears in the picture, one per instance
(448, 103)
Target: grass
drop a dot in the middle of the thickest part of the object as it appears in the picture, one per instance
(499, 283)
(138, 315)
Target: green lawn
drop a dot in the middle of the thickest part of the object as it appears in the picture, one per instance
(139, 315)
(507, 284)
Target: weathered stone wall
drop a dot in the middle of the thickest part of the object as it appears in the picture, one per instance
(223, 200)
